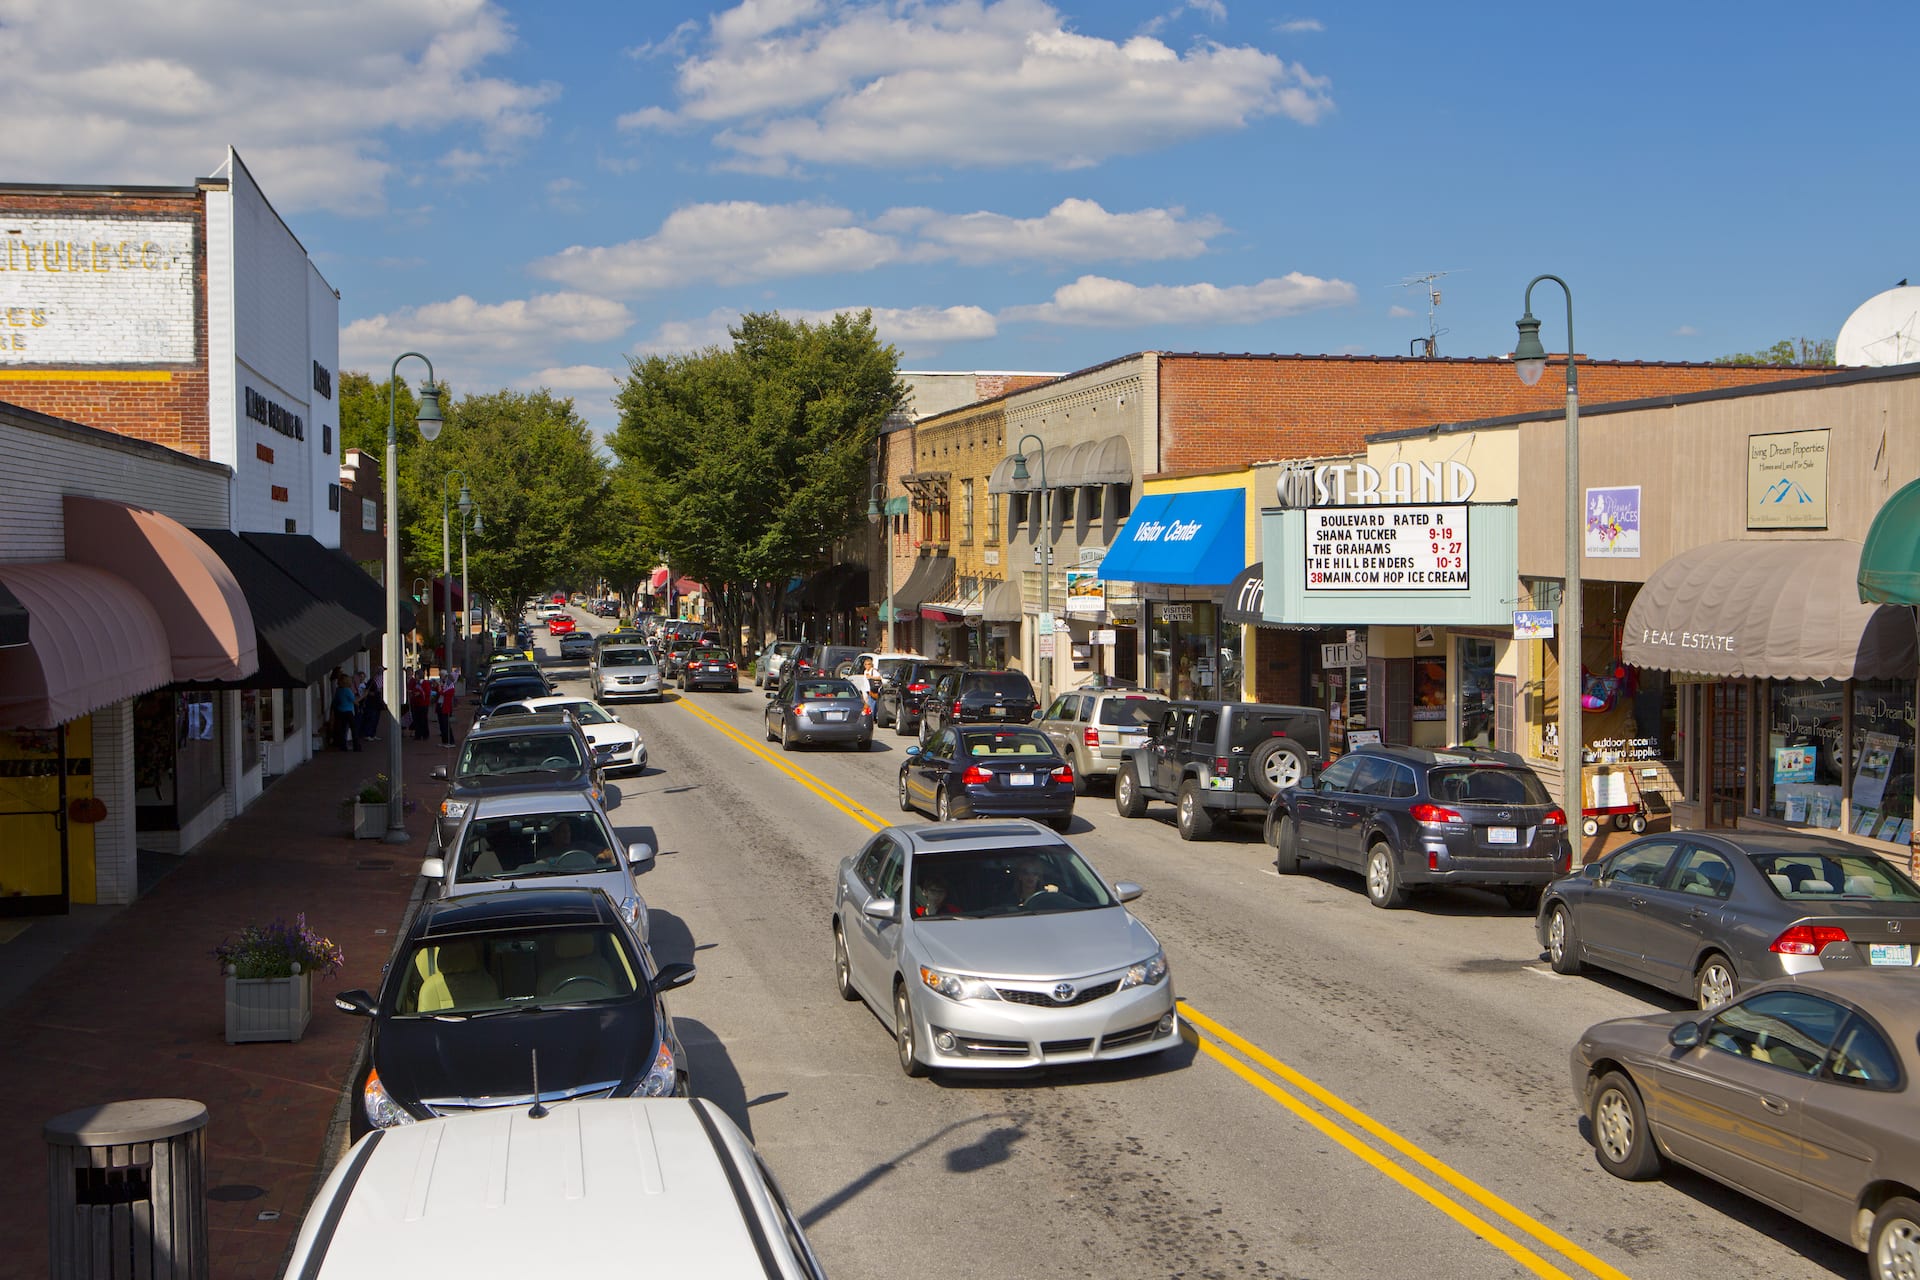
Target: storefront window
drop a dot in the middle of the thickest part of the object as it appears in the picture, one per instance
(1476, 662)
(178, 765)
(1882, 759)
(1185, 650)
(1805, 766)
(250, 708)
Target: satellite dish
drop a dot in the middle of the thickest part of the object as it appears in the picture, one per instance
(1883, 330)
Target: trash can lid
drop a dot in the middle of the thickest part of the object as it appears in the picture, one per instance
(118, 1124)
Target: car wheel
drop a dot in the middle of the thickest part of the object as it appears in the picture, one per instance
(906, 805)
(901, 727)
(1276, 765)
(1563, 944)
(771, 735)
(942, 809)
(1383, 878)
(787, 742)
(1893, 1245)
(1126, 793)
(1286, 845)
(842, 972)
(1079, 780)
(926, 732)
(863, 744)
(1191, 816)
(903, 1033)
(1062, 825)
(1522, 897)
(1620, 1136)
(1715, 983)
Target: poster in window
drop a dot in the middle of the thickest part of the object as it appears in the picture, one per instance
(1793, 764)
(1870, 778)
(1429, 689)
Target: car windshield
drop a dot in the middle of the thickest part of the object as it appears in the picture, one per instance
(625, 658)
(1135, 711)
(816, 690)
(480, 973)
(586, 712)
(1006, 742)
(495, 755)
(1002, 882)
(523, 846)
(1486, 784)
(512, 691)
(1815, 875)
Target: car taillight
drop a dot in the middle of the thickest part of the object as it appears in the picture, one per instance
(799, 709)
(1554, 818)
(1064, 774)
(956, 708)
(1222, 765)
(1433, 815)
(918, 686)
(975, 776)
(1807, 939)
(1093, 737)
(732, 667)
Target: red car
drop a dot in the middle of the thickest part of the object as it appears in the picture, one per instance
(559, 625)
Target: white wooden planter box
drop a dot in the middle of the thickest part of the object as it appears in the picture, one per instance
(268, 1008)
(369, 821)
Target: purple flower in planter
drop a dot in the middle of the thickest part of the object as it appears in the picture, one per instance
(279, 950)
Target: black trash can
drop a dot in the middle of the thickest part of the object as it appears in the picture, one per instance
(126, 1191)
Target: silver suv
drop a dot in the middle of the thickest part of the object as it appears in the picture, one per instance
(1093, 728)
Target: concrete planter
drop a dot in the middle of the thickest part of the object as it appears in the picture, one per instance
(268, 1008)
(369, 821)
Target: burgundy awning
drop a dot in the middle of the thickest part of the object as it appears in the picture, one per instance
(92, 640)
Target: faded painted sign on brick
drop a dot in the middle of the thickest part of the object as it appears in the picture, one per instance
(96, 291)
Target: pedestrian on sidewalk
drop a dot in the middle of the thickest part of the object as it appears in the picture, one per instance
(417, 696)
(443, 703)
(372, 706)
(343, 735)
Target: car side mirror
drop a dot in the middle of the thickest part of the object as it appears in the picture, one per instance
(434, 868)
(772, 694)
(1127, 890)
(672, 977)
(881, 909)
(1685, 1035)
(439, 773)
(1594, 871)
(356, 1002)
(639, 853)
(913, 751)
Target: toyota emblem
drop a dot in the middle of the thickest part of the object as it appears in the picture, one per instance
(1063, 992)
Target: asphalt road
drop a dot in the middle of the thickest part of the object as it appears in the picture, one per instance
(1362, 1093)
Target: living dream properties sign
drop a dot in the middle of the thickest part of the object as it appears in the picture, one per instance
(1386, 548)
(96, 291)
(1613, 523)
(1787, 480)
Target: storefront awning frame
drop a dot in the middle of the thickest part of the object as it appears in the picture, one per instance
(1091, 462)
(302, 637)
(931, 577)
(331, 575)
(1889, 568)
(93, 640)
(1196, 538)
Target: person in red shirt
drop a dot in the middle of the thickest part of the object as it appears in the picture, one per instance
(418, 695)
(443, 702)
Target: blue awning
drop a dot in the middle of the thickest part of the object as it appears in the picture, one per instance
(1182, 539)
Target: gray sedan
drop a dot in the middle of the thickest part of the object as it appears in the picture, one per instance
(991, 945)
(1706, 914)
(818, 709)
(1800, 1094)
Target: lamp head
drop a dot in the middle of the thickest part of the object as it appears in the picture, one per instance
(428, 418)
(1020, 466)
(476, 522)
(873, 511)
(1529, 357)
(466, 500)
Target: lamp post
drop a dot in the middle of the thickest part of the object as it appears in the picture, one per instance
(466, 601)
(876, 511)
(428, 420)
(1530, 361)
(1046, 555)
(446, 560)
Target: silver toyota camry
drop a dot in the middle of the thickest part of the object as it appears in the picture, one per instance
(995, 945)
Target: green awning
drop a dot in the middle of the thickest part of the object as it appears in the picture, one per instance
(1890, 557)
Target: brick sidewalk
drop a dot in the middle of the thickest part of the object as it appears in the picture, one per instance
(137, 1010)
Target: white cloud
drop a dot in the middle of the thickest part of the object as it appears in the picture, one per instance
(585, 380)
(1072, 231)
(913, 329)
(469, 341)
(1398, 313)
(1686, 331)
(966, 83)
(128, 91)
(1097, 301)
(1299, 25)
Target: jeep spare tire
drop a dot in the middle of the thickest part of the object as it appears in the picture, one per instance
(1275, 765)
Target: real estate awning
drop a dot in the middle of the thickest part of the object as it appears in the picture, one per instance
(932, 578)
(302, 637)
(1782, 610)
(1107, 461)
(1247, 597)
(13, 620)
(1194, 539)
(209, 627)
(92, 640)
(332, 576)
(1003, 602)
(1889, 568)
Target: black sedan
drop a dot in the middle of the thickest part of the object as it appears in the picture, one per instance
(710, 669)
(492, 988)
(980, 771)
(818, 709)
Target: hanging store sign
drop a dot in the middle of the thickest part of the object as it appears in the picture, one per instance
(96, 291)
(1351, 654)
(1086, 593)
(1787, 480)
(1533, 624)
(1613, 523)
(1421, 549)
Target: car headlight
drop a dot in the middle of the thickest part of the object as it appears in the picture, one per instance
(662, 1078)
(382, 1111)
(957, 986)
(1148, 972)
(453, 808)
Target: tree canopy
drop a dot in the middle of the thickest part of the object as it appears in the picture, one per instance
(1795, 352)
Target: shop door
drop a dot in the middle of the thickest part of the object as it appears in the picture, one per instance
(1725, 708)
(1390, 682)
(35, 874)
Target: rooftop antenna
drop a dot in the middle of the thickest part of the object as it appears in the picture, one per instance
(1431, 281)
(538, 1111)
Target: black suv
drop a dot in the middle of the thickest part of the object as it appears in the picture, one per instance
(966, 696)
(904, 689)
(709, 667)
(1214, 760)
(1406, 816)
(545, 752)
(820, 659)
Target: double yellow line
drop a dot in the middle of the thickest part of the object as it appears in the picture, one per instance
(1298, 1094)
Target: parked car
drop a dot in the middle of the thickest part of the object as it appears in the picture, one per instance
(521, 753)
(484, 983)
(539, 840)
(766, 667)
(995, 945)
(989, 771)
(676, 1173)
(509, 688)
(970, 696)
(1218, 760)
(576, 644)
(807, 708)
(617, 743)
(627, 671)
(1407, 817)
(560, 624)
(1705, 914)
(1799, 1094)
(710, 668)
(822, 659)
(1094, 728)
(904, 691)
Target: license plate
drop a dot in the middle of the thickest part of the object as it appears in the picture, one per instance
(996, 711)
(836, 715)
(1898, 953)
(1019, 779)
(1219, 784)
(1503, 835)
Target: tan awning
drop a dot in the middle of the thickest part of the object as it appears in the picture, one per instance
(209, 626)
(1783, 610)
(92, 640)
(1107, 461)
(1003, 602)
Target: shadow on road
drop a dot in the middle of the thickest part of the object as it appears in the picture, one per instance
(711, 1072)
(991, 1148)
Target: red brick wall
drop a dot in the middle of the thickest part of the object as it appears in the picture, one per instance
(1227, 411)
(171, 412)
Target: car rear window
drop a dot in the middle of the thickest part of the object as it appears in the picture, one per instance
(1135, 712)
(1484, 784)
(1824, 876)
(809, 690)
(513, 691)
(835, 654)
(1010, 683)
(1006, 742)
(1252, 727)
(712, 655)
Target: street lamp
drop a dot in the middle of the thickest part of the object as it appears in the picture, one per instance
(875, 512)
(446, 561)
(1530, 361)
(1046, 555)
(428, 420)
(466, 601)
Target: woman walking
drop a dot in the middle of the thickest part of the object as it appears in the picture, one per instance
(418, 694)
(443, 703)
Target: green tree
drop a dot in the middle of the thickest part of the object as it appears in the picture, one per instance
(363, 414)
(1787, 353)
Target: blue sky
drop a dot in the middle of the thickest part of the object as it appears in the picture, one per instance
(532, 193)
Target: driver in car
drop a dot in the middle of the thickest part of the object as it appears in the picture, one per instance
(1030, 878)
(561, 842)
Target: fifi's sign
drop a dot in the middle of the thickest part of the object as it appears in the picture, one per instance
(1345, 484)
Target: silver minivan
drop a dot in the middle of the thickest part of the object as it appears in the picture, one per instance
(1094, 728)
(626, 671)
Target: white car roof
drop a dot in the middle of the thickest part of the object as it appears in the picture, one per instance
(592, 1183)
